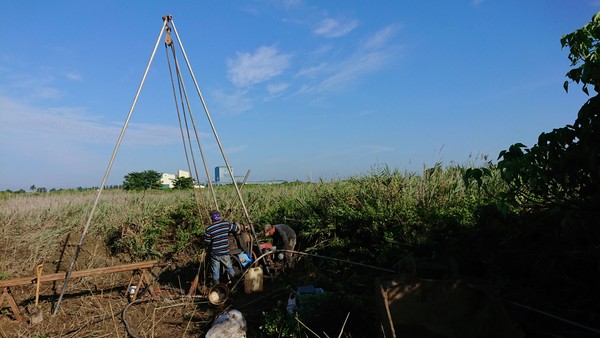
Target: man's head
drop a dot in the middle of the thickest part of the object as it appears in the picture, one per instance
(269, 230)
(215, 216)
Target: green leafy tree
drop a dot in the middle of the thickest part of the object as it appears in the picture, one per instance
(183, 183)
(562, 171)
(583, 46)
(555, 184)
(146, 180)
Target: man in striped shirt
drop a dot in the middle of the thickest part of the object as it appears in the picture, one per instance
(216, 239)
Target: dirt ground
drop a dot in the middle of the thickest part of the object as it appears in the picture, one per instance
(98, 306)
(91, 309)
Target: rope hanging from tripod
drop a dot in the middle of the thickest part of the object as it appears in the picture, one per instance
(235, 185)
(183, 97)
(186, 137)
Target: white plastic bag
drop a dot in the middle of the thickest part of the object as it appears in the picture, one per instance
(229, 324)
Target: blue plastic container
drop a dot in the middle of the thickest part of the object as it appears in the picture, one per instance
(244, 259)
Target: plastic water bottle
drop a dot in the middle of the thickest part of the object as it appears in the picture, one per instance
(291, 305)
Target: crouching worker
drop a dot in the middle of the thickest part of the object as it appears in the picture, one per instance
(216, 238)
(284, 237)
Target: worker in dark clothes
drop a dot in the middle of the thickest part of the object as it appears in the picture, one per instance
(284, 237)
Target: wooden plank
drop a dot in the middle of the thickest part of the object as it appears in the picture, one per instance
(79, 274)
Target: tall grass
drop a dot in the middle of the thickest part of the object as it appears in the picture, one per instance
(375, 218)
(386, 214)
(35, 227)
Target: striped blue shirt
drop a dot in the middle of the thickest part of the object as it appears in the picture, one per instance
(216, 236)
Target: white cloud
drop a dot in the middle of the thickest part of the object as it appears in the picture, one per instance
(235, 149)
(351, 69)
(47, 93)
(231, 103)
(314, 71)
(381, 38)
(373, 54)
(277, 88)
(39, 87)
(63, 146)
(306, 89)
(152, 134)
(74, 125)
(74, 76)
(331, 28)
(264, 64)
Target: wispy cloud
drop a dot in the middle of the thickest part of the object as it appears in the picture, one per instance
(47, 93)
(277, 88)
(381, 38)
(54, 147)
(231, 103)
(313, 71)
(74, 76)
(30, 87)
(331, 28)
(235, 149)
(372, 54)
(252, 68)
(73, 125)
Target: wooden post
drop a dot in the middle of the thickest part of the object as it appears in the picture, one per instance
(201, 267)
(194, 286)
(11, 302)
(143, 280)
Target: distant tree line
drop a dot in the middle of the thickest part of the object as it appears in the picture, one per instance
(135, 181)
(43, 190)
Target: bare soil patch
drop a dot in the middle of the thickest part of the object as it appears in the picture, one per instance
(99, 307)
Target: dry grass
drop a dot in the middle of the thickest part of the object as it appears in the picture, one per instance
(93, 313)
(45, 227)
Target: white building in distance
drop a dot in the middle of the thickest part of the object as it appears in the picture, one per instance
(167, 178)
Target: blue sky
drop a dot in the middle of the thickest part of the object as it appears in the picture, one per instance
(297, 90)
